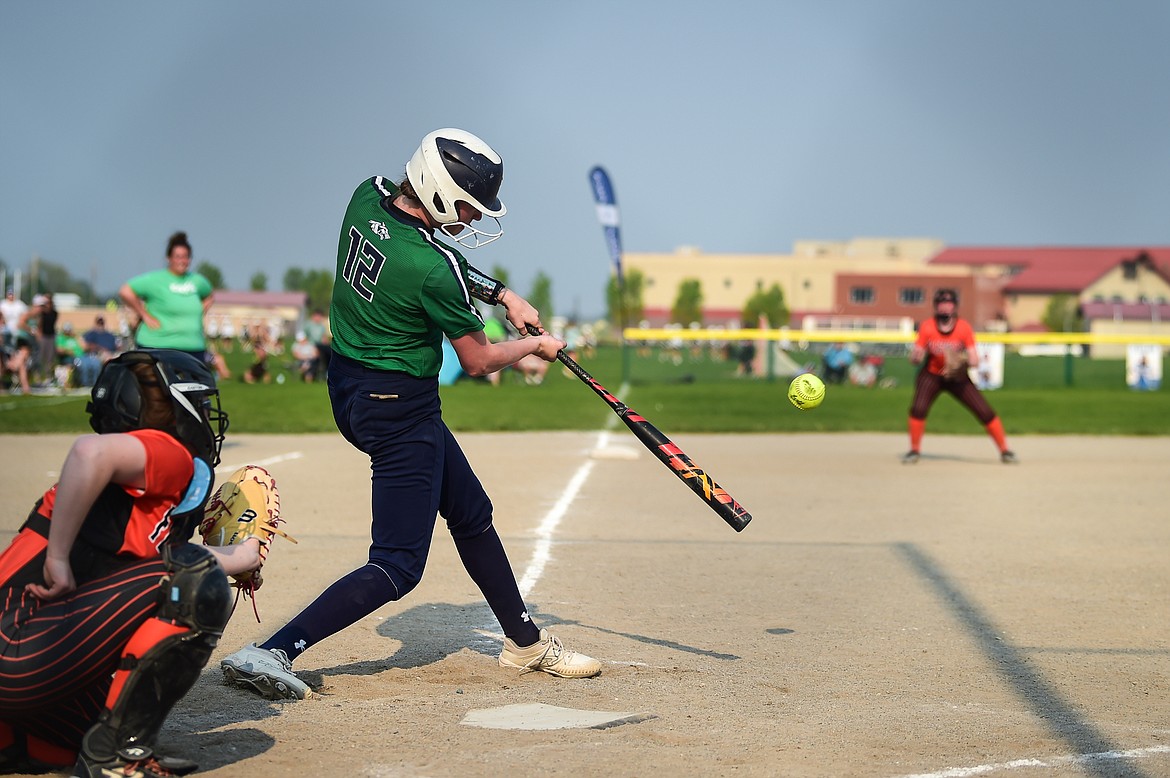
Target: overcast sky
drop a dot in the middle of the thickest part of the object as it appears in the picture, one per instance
(731, 126)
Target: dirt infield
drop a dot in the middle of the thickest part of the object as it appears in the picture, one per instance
(956, 617)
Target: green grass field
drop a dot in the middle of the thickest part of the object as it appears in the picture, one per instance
(698, 395)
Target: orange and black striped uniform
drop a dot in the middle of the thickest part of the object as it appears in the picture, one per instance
(58, 659)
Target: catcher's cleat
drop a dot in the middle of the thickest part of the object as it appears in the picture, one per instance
(548, 656)
(1009, 458)
(131, 762)
(268, 672)
(910, 458)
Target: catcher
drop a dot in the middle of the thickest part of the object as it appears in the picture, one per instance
(107, 613)
(946, 349)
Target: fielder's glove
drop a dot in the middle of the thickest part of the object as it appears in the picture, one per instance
(955, 365)
(246, 505)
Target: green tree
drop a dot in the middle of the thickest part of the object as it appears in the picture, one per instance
(294, 280)
(500, 274)
(212, 274)
(317, 284)
(541, 296)
(46, 276)
(628, 301)
(768, 304)
(259, 282)
(688, 305)
(1063, 314)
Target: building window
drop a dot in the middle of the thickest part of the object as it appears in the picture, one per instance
(911, 295)
(1129, 270)
(727, 283)
(861, 295)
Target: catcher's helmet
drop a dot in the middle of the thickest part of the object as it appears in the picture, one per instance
(116, 403)
(452, 165)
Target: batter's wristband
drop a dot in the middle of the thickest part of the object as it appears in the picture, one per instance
(484, 287)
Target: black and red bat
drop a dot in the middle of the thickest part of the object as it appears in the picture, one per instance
(671, 455)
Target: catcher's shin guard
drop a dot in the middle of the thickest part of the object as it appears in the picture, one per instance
(165, 656)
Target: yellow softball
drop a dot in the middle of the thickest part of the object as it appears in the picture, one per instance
(806, 391)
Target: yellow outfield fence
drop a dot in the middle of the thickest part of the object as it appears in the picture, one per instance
(784, 334)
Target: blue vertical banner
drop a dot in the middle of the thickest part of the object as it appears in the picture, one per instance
(608, 215)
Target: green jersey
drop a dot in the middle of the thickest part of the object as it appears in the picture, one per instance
(397, 290)
(177, 303)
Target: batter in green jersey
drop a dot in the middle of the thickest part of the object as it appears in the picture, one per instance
(397, 292)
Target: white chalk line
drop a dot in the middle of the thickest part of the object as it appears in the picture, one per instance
(541, 554)
(261, 462)
(1057, 761)
(547, 528)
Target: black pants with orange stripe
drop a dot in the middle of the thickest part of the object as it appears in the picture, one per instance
(57, 659)
(928, 386)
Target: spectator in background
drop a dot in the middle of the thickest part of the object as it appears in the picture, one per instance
(44, 312)
(18, 348)
(210, 330)
(100, 346)
(305, 354)
(318, 334)
(69, 353)
(257, 372)
(837, 360)
(227, 335)
(747, 357)
(170, 303)
(13, 310)
(216, 360)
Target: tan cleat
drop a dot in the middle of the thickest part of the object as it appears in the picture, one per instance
(548, 656)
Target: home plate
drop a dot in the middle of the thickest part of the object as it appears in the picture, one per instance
(614, 452)
(540, 716)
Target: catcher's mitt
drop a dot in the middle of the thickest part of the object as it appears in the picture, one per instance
(246, 505)
(955, 364)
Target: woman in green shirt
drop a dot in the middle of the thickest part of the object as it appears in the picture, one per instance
(170, 303)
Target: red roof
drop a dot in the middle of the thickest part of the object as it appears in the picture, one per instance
(1068, 269)
(1127, 311)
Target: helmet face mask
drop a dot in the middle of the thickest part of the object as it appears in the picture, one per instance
(119, 404)
(452, 166)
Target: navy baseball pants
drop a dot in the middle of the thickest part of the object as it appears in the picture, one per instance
(418, 470)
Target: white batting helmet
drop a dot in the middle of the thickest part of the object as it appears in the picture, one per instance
(452, 165)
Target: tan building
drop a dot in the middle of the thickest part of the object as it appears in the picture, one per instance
(277, 313)
(888, 283)
(810, 277)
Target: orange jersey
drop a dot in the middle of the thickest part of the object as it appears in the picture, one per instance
(936, 344)
(124, 522)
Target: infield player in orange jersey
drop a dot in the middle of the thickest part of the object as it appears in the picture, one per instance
(946, 349)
